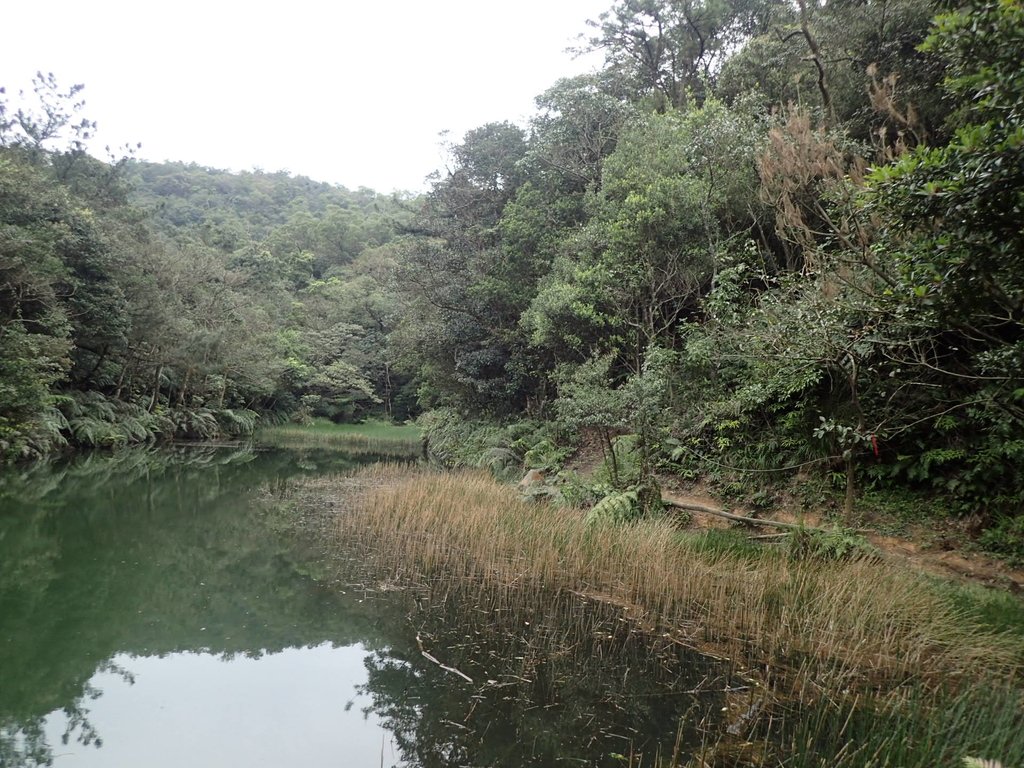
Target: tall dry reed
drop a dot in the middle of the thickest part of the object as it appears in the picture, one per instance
(841, 624)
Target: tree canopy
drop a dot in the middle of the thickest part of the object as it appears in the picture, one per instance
(801, 221)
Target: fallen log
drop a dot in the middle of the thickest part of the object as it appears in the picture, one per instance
(694, 507)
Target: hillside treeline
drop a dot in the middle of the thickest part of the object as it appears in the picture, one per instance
(143, 301)
(766, 239)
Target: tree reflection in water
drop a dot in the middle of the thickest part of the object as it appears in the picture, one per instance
(555, 677)
(152, 554)
(147, 553)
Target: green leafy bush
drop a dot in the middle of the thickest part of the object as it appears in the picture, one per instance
(835, 544)
(505, 449)
(1006, 539)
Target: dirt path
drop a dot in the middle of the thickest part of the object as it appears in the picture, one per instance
(972, 566)
(966, 565)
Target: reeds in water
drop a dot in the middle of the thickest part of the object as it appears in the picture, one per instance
(861, 620)
(841, 642)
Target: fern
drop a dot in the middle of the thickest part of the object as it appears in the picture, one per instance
(499, 459)
(237, 422)
(836, 544)
(135, 429)
(50, 427)
(85, 429)
(615, 508)
(200, 423)
(97, 433)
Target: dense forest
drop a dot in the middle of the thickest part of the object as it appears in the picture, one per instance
(767, 240)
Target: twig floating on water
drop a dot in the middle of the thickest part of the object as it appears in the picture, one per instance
(445, 667)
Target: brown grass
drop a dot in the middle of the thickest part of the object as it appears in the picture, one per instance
(841, 625)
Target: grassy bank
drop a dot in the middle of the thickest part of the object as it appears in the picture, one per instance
(378, 437)
(829, 643)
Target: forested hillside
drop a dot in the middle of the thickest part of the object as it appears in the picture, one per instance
(142, 301)
(766, 239)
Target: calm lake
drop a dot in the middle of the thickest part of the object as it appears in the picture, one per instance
(162, 608)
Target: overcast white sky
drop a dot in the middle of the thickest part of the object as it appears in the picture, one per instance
(353, 93)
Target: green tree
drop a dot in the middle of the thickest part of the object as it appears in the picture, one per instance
(954, 253)
(672, 50)
(855, 64)
(677, 189)
(462, 291)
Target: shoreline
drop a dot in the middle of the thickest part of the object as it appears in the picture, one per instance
(435, 530)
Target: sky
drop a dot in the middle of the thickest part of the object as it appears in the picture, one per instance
(352, 93)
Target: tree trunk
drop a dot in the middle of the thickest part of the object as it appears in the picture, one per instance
(610, 457)
(156, 387)
(100, 358)
(184, 388)
(120, 382)
(815, 57)
(851, 490)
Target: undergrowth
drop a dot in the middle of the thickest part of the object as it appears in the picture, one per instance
(506, 450)
(852, 617)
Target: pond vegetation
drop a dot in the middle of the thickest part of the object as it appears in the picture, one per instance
(854, 662)
(188, 566)
(373, 436)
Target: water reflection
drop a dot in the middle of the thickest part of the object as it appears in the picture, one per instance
(294, 707)
(524, 677)
(154, 612)
(147, 555)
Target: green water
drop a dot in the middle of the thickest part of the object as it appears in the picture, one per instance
(159, 609)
